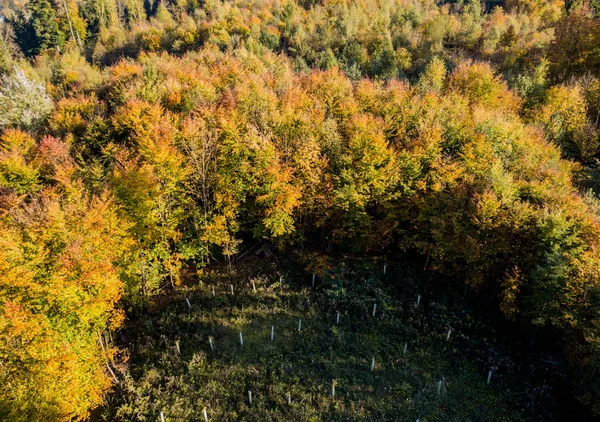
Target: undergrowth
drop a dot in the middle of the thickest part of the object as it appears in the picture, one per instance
(291, 377)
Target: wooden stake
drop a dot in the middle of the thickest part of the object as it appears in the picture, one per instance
(313, 281)
(405, 346)
(439, 390)
(384, 268)
(162, 416)
(211, 343)
(489, 377)
(299, 324)
(241, 339)
(188, 303)
(337, 321)
(372, 364)
(289, 397)
(213, 292)
(232, 290)
(272, 332)
(205, 414)
(374, 309)
(448, 336)
(177, 347)
(253, 286)
(250, 396)
(333, 388)
(418, 299)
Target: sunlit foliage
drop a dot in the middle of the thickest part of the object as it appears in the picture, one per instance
(144, 141)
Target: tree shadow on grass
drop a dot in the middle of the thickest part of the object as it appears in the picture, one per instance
(173, 368)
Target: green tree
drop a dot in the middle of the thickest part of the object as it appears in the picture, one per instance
(41, 30)
(434, 76)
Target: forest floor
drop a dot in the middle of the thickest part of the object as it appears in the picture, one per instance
(431, 360)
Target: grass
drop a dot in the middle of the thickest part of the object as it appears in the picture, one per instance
(305, 363)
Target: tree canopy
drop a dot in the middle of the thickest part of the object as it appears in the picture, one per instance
(142, 141)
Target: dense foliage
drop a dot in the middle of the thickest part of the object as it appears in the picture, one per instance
(143, 141)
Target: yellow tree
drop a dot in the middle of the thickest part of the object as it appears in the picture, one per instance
(59, 285)
(149, 185)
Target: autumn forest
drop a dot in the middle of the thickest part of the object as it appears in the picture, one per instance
(299, 160)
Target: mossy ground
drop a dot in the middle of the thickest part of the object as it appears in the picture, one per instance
(305, 363)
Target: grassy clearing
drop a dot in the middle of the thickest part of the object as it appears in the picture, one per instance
(308, 362)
